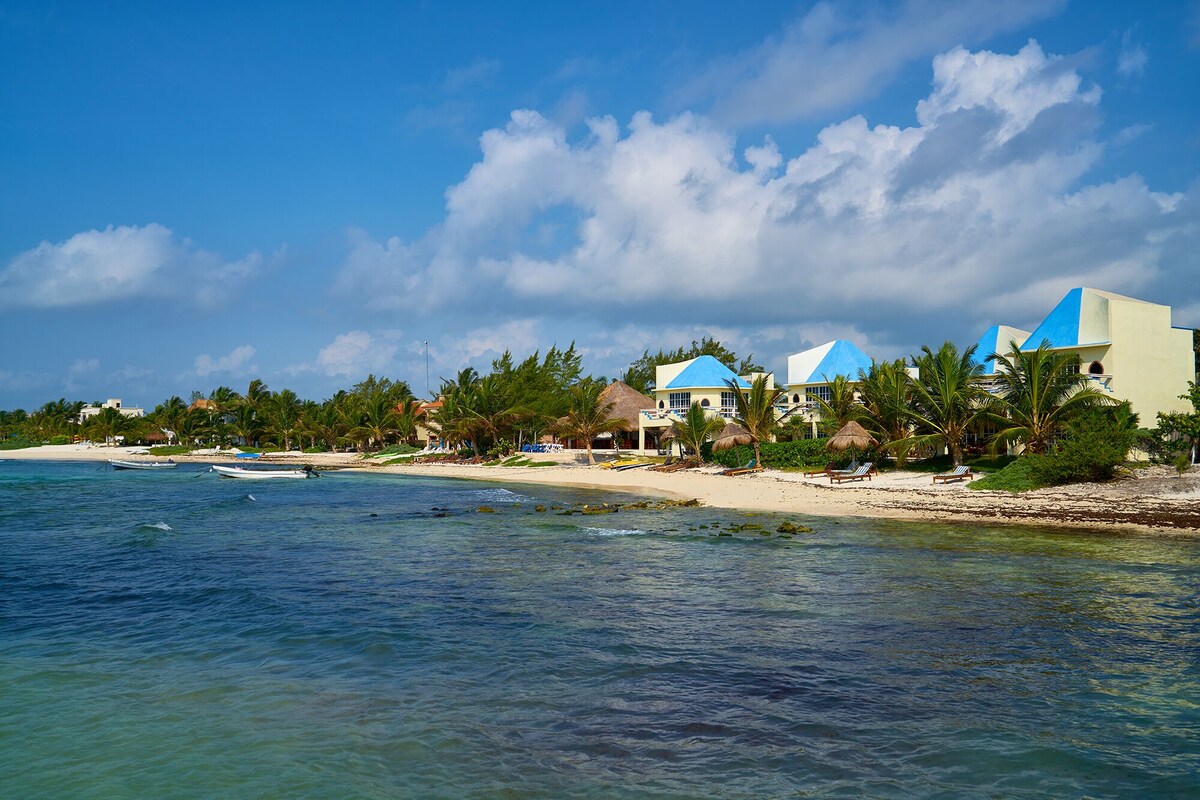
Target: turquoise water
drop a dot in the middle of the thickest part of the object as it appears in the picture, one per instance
(167, 636)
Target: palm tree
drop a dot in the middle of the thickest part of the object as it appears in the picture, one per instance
(283, 414)
(168, 416)
(756, 410)
(111, 423)
(587, 416)
(695, 428)
(377, 421)
(946, 399)
(1041, 391)
(885, 392)
(842, 405)
(246, 424)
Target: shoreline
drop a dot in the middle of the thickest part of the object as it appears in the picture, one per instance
(1154, 503)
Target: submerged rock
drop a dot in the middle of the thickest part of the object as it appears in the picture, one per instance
(485, 510)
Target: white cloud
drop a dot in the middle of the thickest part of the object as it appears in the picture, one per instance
(356, 353)
(1131, 61)
(981, 212)
(839, 53)
(120, 263)
(235, 362)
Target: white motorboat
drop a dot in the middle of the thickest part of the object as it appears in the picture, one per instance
(264, 474)
(116, 464)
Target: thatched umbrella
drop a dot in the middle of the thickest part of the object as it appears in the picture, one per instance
(732, 436)
(852, 435)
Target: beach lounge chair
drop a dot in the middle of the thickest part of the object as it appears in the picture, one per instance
(962, 473)
(851, 468)
(862, 473)
(750, 466)
(825, 470)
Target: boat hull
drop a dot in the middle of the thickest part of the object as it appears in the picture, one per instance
(147, 465)
(263, 474)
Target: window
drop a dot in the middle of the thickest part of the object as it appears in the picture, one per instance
(817, 393)
(795, 398)
(728, 404)
(1096, 368)
(704, 403)
(680, 401)
(661, 405)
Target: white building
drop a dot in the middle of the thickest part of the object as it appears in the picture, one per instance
(112, 402)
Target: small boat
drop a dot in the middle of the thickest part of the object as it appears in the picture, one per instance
(264, 474)
(168, 464)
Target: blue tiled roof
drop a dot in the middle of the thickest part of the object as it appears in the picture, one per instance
(705, 373)
(985, 347)
(844, 358)
(1061, 326)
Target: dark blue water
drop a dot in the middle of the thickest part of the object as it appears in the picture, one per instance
(167, 636)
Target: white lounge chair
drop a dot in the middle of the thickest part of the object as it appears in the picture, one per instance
(962, 473)
(862, 473)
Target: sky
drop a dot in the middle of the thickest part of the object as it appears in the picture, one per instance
(195, 195)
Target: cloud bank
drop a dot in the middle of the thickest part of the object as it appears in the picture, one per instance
(120, 263)
(982, 211)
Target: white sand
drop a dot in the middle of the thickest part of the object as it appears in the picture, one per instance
(1157, 502)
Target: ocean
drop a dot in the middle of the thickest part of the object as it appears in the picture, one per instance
(178, 635)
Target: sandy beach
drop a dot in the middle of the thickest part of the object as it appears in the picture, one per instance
(1152, 501)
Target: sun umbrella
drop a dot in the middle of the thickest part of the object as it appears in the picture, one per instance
(732, 436)
(852, 435)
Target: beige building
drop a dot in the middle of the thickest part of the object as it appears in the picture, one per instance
(1127, 347)
(700, 380)
(811, 371)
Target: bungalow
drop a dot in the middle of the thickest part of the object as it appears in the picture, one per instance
(811, 371)
(703, 380)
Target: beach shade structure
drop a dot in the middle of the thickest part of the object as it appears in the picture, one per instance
(852, 435)
(732, 436)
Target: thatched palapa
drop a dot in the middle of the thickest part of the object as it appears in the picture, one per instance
(732, 436)
(852, 435)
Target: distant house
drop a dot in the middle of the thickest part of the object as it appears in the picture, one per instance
(702, 380)
(113, 402)
(427, 436)
(811, 371)
(1128, 347)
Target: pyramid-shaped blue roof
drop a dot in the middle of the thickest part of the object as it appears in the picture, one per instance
(987, 345)
(1061, 326)
(996, 339)
(705, 372)
(842, 358)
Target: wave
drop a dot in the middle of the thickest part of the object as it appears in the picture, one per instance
(615, 532)
(155, 526)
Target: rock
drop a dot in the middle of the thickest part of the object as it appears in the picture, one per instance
(789, 527)
(539, 508)
(485, 510)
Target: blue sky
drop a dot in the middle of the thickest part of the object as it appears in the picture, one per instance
(195, 197)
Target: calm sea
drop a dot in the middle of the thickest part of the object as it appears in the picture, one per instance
(177, 635)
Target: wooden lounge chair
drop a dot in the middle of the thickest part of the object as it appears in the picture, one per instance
(751, 466)
(962, 473)
(850, 468)
(862, 473)
(812, 473)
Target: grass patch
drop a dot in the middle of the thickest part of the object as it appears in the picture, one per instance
(1022, 475)
(397, 450)
(171, 450)
(18, 443)
(317, 449)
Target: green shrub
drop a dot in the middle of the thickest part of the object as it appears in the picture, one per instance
(320, 448)
(805, 453)
(170, 450)
(62, 438)
(401, 449)
(1022, 475)
(18, 443)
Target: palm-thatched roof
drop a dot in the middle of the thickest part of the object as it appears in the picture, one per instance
(733, 435)
(851, 435)
(627, 402)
